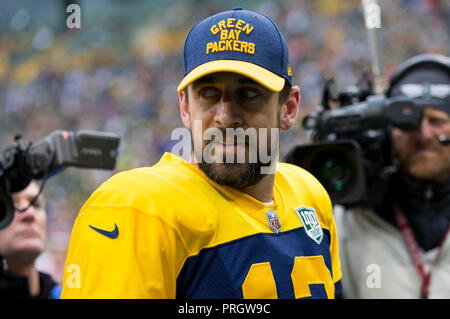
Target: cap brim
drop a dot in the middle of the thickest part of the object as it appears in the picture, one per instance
(255, 72)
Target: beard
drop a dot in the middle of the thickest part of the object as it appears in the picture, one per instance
(431, 167)
(235, 175)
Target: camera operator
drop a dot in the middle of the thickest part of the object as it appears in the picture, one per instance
(401, 248)
(22, 213)
(20, 245)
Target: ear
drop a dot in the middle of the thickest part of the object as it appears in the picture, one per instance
(184, 110)
(289, 111)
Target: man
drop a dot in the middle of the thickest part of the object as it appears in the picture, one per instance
(20, 245)
(211, 227)
(400, 249)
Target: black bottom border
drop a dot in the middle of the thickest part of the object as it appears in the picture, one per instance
(226, 308)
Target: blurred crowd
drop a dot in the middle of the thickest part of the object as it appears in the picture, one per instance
(120, 70)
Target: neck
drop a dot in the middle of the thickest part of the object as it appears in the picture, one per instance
(262, 191)
(30, 272)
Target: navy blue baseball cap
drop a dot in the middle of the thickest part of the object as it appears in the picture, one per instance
(237, 41)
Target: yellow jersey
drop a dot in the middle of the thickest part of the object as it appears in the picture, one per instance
(168, 231)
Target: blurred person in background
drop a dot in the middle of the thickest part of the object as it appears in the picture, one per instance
(21, 243)
(401, 248)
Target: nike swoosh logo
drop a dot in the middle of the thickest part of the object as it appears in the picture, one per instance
(110, 234)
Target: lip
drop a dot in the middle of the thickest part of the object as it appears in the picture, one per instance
(425, 152)
(27, 233)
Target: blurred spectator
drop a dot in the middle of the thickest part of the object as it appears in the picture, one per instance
(22, 242)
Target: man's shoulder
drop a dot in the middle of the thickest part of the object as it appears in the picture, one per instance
(292, 169)
(301, 188)
(298, 176)
(157, 178)
(149, 189)
(177, 198)
(141, 177)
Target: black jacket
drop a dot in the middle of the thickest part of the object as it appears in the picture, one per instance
(16, 287)
(425, 204)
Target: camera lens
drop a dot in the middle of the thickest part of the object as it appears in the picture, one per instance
(333, 170)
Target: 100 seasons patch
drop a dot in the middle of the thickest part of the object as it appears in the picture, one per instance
(310, 223)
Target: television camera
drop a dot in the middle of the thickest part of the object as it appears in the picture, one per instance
(351, 154)
(49, 156)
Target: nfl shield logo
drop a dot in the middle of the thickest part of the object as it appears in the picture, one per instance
(274, 222)
(310, 223)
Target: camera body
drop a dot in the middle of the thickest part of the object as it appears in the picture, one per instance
(49, 156)
(350, 154)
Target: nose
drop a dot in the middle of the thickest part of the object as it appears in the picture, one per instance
(425, 130)
(227, 113)
(28, 215)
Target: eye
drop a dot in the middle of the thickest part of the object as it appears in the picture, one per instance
(208, 92)
(37, 203)
(437, 122)
(249, 93)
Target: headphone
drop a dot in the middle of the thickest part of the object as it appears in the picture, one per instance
(441, 61)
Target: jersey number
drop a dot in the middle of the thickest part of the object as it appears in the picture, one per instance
(260, 283)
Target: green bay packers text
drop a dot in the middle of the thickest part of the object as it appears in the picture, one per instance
(229, 40)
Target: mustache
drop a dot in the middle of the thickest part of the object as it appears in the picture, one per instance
(430, 144)
(236, 136)
(220, 136)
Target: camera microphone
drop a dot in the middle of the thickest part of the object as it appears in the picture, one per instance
(444, 140)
